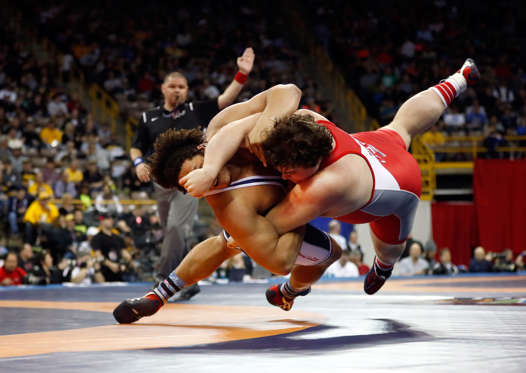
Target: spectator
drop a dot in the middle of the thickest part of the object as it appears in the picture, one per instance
(413, 264)
(58, 240)
(107, 202)
(343, 267)
(492, 141)
(73, 172)
(334, 231)
(50, 174)
(430, 252)
(38, 185)
(353, 244)
(504, 262)
(434, 138)
(84, 247)
(41, 211)
(93, 177)
(454, 120)
(44, 272)
(16, 158)
(32, 140)
(85, 196)
(80, 224)
(11, 274)
(356, 256)
(519, 261)
(56, 107)
(4, 149)
(28, 173)
(86, 270)
(64, 186)
(476, 117)
(444, 266)
(108, 247)
(16, 207)
(9, 177)
(25, 258)
(51, 135)
(67, 207)
(479, 262)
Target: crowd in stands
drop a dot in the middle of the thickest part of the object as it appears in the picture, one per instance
(129, 50)
(421, 259)
(63, 176)
(388, 51)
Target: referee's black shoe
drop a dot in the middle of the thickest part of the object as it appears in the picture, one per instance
(188, 293)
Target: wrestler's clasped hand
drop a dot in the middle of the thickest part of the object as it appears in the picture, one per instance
(197, 182)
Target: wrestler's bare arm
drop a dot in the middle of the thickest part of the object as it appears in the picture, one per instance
(322, 194)
(255, 234)
(287, 95)
(280, 100)
(218, 152)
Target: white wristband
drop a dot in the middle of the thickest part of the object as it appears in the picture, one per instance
(137, 161)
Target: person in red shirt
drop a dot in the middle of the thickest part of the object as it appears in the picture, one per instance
(11, 273)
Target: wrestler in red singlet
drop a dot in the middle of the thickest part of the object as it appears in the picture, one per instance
(396, 180)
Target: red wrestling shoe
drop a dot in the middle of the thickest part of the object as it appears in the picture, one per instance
(470, 72)
(134, 309)
(276, 297)
(375, 278)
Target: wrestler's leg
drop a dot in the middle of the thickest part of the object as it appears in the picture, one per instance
(417, 115)
(387, 253)
(302, 277)
(200, 263)
(421, 111)
(204, 259)
(317, 253)
(386, 256)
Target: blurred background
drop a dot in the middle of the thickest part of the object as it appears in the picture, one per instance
(75, 78)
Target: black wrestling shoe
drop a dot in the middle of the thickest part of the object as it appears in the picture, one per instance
(134, 309)
(375, 279)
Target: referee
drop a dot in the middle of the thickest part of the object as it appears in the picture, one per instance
(177, 211)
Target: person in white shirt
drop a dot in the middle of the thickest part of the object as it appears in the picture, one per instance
(413, 264)
(334, 231)
(343, 267)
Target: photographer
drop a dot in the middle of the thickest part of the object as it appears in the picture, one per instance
(86, 270)
(504, 262)
(44, 272)
(108, 246)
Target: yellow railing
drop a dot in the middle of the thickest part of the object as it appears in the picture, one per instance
(104, 107)
(473, 145)
(426, 161)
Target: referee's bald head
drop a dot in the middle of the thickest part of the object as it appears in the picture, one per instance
(174, 75)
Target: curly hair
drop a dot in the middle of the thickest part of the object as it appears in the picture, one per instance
(171, 149)
(296, 141)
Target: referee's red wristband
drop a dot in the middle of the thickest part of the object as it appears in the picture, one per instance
(240, 77)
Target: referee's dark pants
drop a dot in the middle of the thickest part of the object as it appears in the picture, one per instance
(177, 212)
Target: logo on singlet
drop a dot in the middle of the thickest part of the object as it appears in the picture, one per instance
(311, 258)
(374, 152)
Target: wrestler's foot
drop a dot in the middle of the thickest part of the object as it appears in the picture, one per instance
(470, 72)
(375, 279)
(276, 297)
(133, 309)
